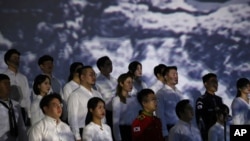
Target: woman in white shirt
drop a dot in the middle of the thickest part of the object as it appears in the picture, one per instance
(95, 130)
(240, 106)
(135, 70)
(41, 87)
(125, 108)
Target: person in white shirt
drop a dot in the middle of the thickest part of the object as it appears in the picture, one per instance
(217, 131)
(168, 97)
(95, 130)
(41, 88)
(73, 80)
(183, 130)
(51, 128)
(77, 102)
(240, 106)
(20, 90)
(15, 130)
(125, 108)
(160, 82)
(135, 70)
(106, 85)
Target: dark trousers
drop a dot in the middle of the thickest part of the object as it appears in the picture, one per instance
(126, 133)
(109, 119)
(81, 130)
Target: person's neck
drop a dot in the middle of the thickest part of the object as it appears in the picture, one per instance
(147, 112)
(12, 68)
(87, 86)
(76, 79)
(48, 74)
(97, 121)
(43, 94)
(171, 85)
(245, 97)
(210, 92)
(106, 75)
(124, 93)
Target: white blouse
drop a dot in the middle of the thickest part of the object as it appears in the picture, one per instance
(95, 132)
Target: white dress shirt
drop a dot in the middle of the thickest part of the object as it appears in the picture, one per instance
(167, 100)
(36, 112)
(216, 132)
(124, 113)
(56, 85)
(20, 82)
(68, 89)
(107, 88)
(157, 86)
(183, 131)
(48, 129)
(5, 126)
(240, 111)
(95, 132)
(77, 108)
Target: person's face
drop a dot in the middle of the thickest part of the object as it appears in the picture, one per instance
(107, 68)
(4, 89)
(188, 113)
(127, 85)
(89, 76)
(47, 67)
(44, 87)
(14, 60)
(99, 111)
(54, 109)
(138, 71)
(245, 90)
(151, 103)
(212, 84)
(172, 77)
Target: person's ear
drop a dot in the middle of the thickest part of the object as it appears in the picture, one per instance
(91, 110)
(121, 84)
(45, 109)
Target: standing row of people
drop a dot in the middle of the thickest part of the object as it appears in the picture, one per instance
(118, 102)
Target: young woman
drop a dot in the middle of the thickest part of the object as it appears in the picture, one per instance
(41, 87)
(95, 130)
(135, 70)
(125, 108)
(240, 106)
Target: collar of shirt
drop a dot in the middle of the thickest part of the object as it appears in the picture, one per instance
(52, 120)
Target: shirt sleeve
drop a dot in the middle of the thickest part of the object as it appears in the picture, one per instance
(116, 118)
(87, 135)
(35, 133)
(160, 113)
(73, 105)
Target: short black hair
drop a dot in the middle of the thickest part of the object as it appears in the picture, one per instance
(180, 106)
(4, 77)
(159, 69)
(81, 70)
(48, 98)
(74, 69)
(101, 61)
(206, 77)
(8, 54)
(167, 69)
(38, 80)
(142, 95)
(45, 58)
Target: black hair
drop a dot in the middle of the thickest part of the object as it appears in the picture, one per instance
(73, 69)
(241, 83)
(39, 80)
(4, 77)
(8, 54)
(82, 70)
(143, 94)
(159, 69)
(47, 99)
(222, 110)
(45, 58)
(167, 69)
(101, 61)
(132, 67)
(206, 77)
(92, 104)
(121, 79)
(180, 106)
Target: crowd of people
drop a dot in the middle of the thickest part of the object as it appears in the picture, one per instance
(95, 106)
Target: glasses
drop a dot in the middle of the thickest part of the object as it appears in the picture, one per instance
(56, 105)
(152, 99)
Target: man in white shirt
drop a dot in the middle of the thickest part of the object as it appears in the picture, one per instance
(183, 129)
(160, 82)
(51, 128)
(20, 90)
(106, 85)
(168, 97)
(15, 130)
(77, 102)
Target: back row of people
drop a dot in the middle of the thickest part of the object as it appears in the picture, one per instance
(121, 104)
